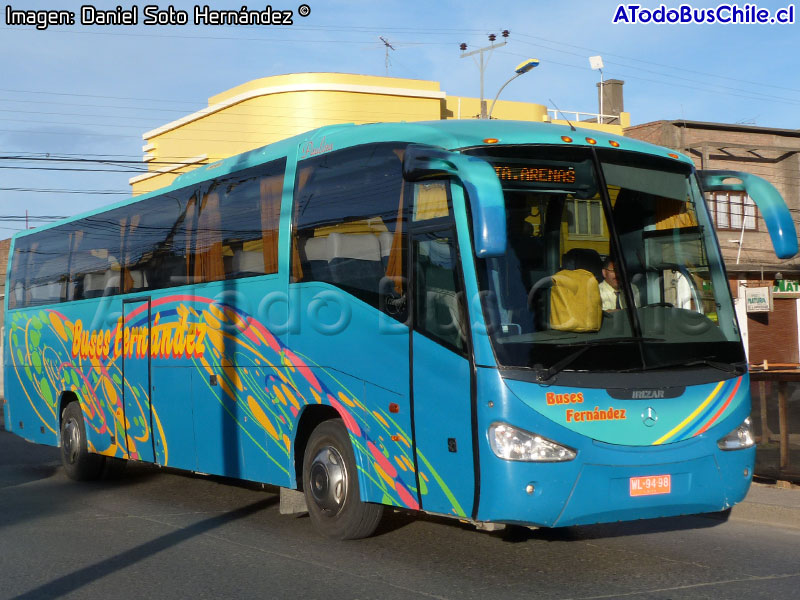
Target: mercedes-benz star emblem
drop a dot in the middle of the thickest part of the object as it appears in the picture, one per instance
(649, 417)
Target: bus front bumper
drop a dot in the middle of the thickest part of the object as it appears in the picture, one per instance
(564, 494)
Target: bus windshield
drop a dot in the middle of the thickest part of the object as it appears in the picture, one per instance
(612, 264)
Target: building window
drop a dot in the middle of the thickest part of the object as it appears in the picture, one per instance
(731, 210)
(585, 218)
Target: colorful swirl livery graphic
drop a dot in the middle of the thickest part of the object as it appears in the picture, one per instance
(705, 414)
(263, 387)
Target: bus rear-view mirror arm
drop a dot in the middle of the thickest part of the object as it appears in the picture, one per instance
(769, 201)
(478, 178)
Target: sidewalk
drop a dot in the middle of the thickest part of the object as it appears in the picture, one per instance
(770, 505)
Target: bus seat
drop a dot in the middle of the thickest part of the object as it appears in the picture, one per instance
(94, 284)
(442, 311)
(584, 258)
(181, 279)
(317, 258)
(139, 279)
(438, 254)
(19, 294)
(443, 316)
(248, 262)
(102, 283)
(355, 260)
(112, 282)
(47, 284)
(44, 293)
(167, 270)
(385, 239)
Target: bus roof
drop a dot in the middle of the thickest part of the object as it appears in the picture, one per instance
(449, 134)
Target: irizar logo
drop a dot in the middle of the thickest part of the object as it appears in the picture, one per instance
(647, 394)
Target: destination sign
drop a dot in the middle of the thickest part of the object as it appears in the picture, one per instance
(536, 174)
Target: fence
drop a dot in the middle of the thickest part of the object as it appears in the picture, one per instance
(776, 420)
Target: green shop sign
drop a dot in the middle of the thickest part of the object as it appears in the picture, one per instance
(786, 286)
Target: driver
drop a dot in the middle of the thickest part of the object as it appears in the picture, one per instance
(612, 297)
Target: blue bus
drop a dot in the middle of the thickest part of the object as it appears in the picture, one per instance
(501, 322)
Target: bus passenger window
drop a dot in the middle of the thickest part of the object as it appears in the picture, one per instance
(39, 272)
(155, 248)
(349, 224)
(237, 226)
(94, 266)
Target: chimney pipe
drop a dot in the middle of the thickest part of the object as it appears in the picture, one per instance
(612, 99)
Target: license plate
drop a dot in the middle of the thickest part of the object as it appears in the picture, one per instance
(650, 485)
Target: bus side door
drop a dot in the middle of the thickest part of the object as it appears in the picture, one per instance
(136, 389)
(441, 368)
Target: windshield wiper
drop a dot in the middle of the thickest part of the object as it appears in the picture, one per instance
(733, 368)
(546, 374)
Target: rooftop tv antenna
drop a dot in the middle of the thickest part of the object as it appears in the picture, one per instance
(388, 47)
(596, 63)
(571, 126)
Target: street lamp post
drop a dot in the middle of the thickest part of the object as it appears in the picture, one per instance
(521, 69)
(482, 65)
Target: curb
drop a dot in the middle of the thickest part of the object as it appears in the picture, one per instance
(766, 514)
(770, 505)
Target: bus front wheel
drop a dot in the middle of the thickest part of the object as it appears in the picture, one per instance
(330, 484)
(79, 463)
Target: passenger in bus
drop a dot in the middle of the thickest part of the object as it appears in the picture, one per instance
(613, 298)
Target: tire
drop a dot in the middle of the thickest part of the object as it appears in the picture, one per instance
(722, 515)
(78, 462)
(330, 485)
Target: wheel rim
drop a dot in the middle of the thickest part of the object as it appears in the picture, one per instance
(71, 440)
(328, 480)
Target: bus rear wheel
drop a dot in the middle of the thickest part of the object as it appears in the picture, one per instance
(79, 463)
(330, 484)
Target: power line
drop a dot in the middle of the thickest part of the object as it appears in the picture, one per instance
(667, 66)
(104, 160)
(129, 170)
(418, 31)
(275, 40)
(753, 93)
(23, 218)
(372, 30)
(62, 191)
(267, 113)
(695, 88)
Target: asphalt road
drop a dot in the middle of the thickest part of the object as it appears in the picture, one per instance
(161, 534)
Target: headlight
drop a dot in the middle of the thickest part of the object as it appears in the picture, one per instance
(512, 443)
(739, 438)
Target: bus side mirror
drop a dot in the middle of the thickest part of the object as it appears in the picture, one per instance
(478, 177)
(767, 198)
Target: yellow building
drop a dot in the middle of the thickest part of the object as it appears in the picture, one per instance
(266, 110)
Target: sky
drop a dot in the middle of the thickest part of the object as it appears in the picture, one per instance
(76, 99)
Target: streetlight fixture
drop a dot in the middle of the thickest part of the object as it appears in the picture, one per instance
(596, 62)
(522, 68)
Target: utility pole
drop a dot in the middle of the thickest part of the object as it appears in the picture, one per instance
(484, 61)
(388, 47)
